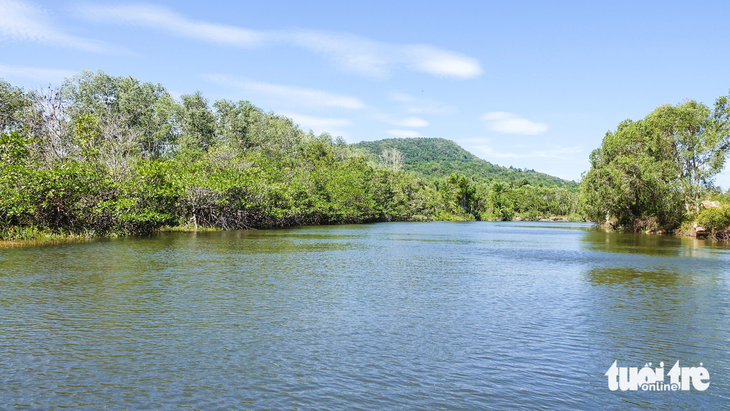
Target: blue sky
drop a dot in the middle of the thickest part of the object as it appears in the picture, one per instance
(526, 84)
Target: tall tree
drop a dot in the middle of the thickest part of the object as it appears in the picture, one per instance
(696, 143)
(197, 122)
(145, 108)
(15, 105)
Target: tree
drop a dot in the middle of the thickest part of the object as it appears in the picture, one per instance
(15, 105)
(147, 109)
(391, 159)
(696, 143)
(236, 123)
(632, 176)
(656, 168)
(197, 122)
(465, 192)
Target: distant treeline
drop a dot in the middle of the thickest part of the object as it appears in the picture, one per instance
(104, 155)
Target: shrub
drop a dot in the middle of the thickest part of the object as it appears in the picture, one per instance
(716, 218)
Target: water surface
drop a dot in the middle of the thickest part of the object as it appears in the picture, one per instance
(381, 316)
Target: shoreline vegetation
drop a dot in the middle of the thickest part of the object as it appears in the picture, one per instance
(104, 156)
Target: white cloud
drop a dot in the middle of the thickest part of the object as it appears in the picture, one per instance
(319, 124)
(561, 153)
(404, 133)
(417, 105)
(411, 122)
(23, 21)
(374, 58)
(163, 18)
(290, 94)
(352, 52)
(402, 97)
(503, 122)
(439, 62)
(35, 73)
(401, 122)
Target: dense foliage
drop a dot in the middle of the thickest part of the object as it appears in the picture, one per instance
(107, 155)
(715, 218)
(658, 169)
(438, 157)
(470, 185)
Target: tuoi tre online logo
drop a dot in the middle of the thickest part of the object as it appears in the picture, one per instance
(648, 379)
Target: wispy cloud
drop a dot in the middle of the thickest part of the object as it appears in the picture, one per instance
(401, 122)
(166, 19)
(35, 73)
(354, 53)
(404, 133)
(508, 123)
(416, 105)
(561, 153)
(351, 52)
(319, 124)
(289, 94)
(410, 122)
(439, 62)
(24, 21)
(374, 58)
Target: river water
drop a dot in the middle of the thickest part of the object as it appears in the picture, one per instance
(381, 316)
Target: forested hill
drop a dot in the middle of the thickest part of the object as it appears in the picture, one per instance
(439, 157)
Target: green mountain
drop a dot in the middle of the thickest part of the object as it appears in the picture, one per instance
(439, 157)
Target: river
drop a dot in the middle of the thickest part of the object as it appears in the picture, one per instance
(377, 316)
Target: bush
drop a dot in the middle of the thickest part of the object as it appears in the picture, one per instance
(716, 218)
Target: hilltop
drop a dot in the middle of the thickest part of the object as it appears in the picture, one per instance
(439, 157)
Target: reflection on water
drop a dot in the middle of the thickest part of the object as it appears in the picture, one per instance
(398, 315)
(657, 245)
(636, 278)
(664, 313)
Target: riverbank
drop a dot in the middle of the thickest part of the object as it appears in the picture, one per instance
(32, 236)
(692, 229)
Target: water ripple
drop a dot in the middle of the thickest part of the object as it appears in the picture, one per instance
(382, 316)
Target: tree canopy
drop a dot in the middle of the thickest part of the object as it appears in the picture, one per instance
(659, 167)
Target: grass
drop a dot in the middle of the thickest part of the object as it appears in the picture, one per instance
(187, 229)
(28, 236)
